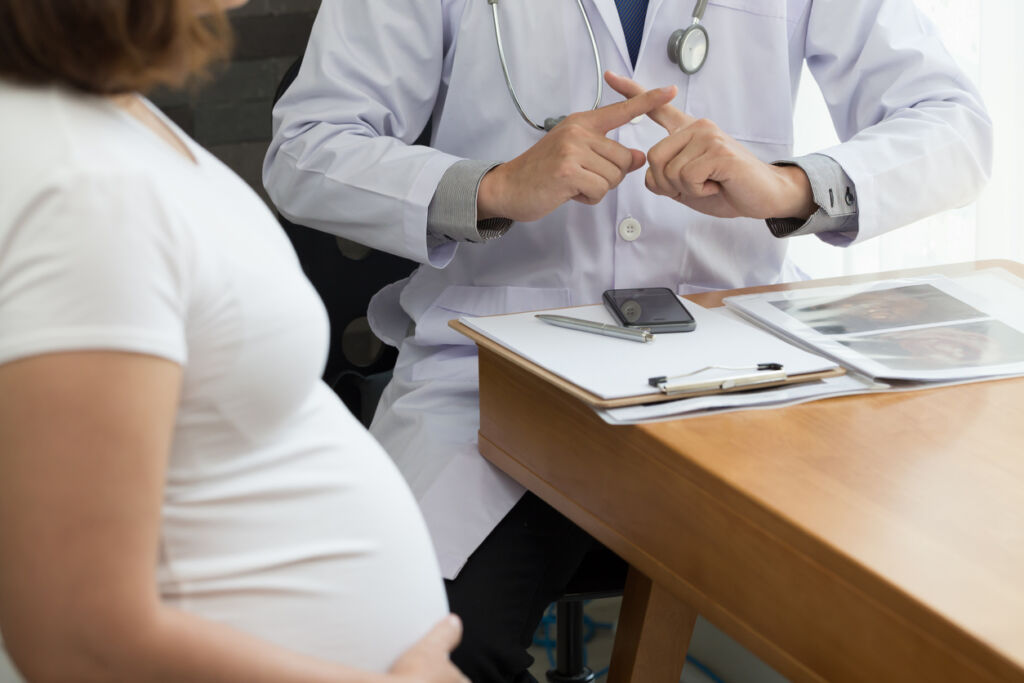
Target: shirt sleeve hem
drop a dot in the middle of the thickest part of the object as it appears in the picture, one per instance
(106, 339)
(452, 214)
(416, 241)
(833, 192)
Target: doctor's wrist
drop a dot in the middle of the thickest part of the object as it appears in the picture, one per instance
(796, 200)
(489, 195)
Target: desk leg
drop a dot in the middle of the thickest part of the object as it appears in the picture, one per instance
(652, 635)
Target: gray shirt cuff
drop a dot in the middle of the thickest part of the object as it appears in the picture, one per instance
(451, 215)
(834, 193)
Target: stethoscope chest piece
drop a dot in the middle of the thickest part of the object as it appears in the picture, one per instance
(688, 47)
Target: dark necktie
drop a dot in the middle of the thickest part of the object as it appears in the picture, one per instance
(632, 14)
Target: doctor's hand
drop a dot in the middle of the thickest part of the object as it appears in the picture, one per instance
(700, 166)
(575, 160)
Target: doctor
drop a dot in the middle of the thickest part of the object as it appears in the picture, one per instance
(506, 217)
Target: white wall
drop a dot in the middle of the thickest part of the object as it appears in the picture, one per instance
(984, 36)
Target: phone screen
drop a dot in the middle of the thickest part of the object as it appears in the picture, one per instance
(655, 307)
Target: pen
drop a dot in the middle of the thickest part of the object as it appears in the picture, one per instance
(639, 335)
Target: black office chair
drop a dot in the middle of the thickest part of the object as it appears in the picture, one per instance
(346, 275)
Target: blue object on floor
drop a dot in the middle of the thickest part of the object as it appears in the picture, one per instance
(704, 669)
(544, 636)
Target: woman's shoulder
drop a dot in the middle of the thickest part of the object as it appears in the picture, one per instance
(49, 133)
(68, 152)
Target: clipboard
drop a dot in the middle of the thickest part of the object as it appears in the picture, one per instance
(700, 388)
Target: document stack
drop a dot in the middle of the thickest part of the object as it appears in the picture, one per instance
(891, 335)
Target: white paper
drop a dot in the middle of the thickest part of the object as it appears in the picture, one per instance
(614, 368)
(609, 367)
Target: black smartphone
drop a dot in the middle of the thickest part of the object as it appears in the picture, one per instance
(656, 308)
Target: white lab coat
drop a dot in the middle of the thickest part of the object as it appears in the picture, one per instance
(916, 140)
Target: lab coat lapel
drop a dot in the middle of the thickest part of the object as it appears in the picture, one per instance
(608, 14)
(653, 7)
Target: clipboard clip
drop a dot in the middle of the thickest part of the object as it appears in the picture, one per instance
(766, 373)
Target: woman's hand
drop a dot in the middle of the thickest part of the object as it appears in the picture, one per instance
(699, 165)
(428, 660)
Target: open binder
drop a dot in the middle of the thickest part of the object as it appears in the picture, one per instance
(609, 373)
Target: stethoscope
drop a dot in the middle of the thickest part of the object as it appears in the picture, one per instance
(687, 47)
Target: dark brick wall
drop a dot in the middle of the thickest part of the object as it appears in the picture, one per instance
(230, 116)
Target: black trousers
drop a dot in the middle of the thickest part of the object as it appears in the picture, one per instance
(522, 567)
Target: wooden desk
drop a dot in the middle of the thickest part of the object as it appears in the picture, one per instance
(871, 538)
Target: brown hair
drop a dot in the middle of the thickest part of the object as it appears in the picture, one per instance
(111, 46)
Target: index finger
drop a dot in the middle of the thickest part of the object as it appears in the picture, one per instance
(611, 116)
(666, 116)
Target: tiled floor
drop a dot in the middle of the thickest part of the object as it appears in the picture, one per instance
(726, 660)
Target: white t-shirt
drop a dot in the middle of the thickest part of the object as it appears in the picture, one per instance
(282, 516)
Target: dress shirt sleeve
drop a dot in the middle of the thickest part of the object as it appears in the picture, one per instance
(451, 215)
(834, 194)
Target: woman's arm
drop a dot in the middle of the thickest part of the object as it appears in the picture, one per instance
(84, 441)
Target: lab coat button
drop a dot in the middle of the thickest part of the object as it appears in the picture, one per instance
(630, 229)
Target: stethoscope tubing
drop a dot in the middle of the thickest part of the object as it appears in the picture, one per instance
(674, 45)
(508, 77)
